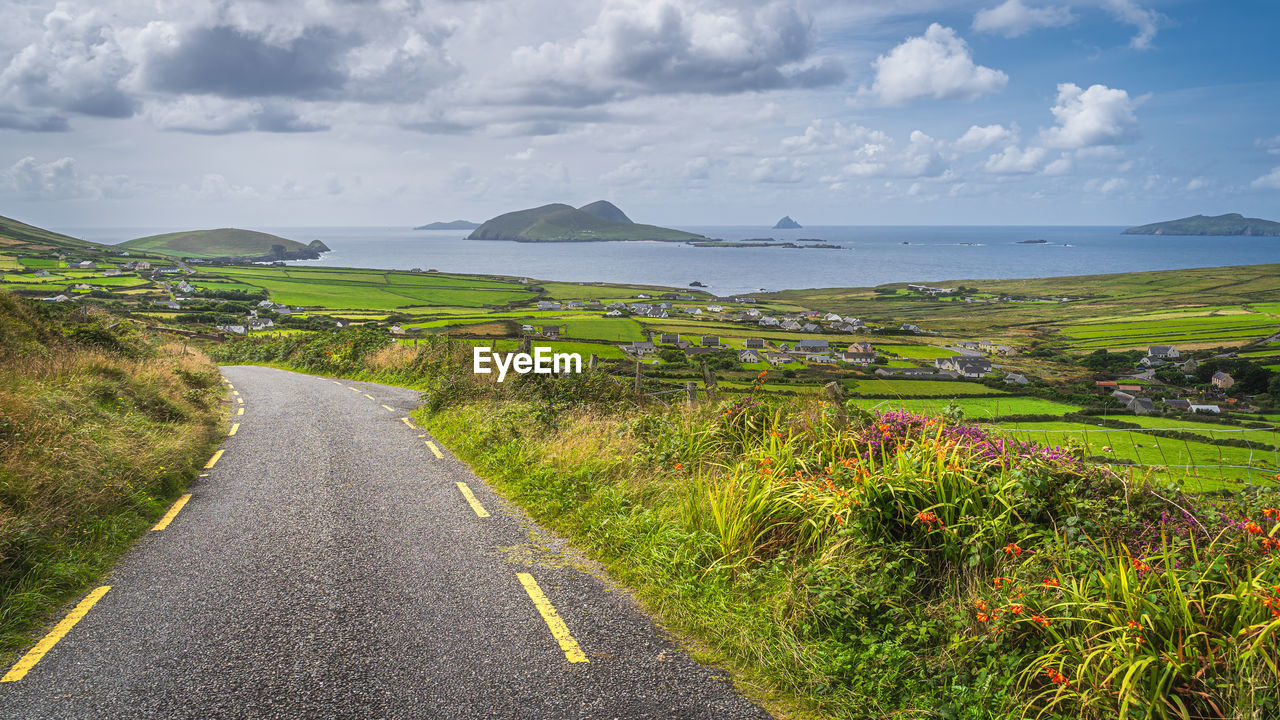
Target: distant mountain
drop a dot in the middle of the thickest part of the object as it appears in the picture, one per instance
(452, 225)
(1230, 224)
(19, 235)
(226, 243)
(563, 223)
(786, 223)
(606, 210)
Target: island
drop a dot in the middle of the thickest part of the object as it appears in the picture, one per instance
(1033, 242)
(451, 225)
(786, 223)
(600, 221)
(1219, 225)
(226, 244)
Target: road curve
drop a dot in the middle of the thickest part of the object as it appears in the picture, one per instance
(329, 566)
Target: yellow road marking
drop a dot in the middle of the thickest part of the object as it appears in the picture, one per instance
(230, 386)
(235, 392)
(388, 409)
(406, 422)
(435, 450)
(353, 389)
(239, 401)
(204, 474)
(239, 411)
(370, 396)
(213, 460)
(28, 661)
(472, 501)
(335, 382)
(235, 427)
(559, 631)
(173, 513)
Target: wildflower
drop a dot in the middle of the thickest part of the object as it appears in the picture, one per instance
(1140, 566)
(983, 617)
(1015, 608)
(1056, 677)
(1041, 620)
(1273, 513)
(980, 605)
(678, 466)
(1253, 528)
(1002, 581)
(762, 375)
(1013, 550)
(1050, 582)
(928, 518)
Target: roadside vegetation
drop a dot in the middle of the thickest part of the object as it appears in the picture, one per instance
(101, 425)
(856, 563)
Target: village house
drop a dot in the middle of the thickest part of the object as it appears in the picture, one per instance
(264, 323)
(754, 343)
(862, 346)
(832, 317)
(747, 355)
(1004, 350)
(1151, 362)
(112, 272)
(595, 305)
(859, 358)
(1016, 379)
(642, 348)
(810, 345)
(643, 296)
(768, 321)
(551, 332)
(614, 313)
(908, 327)
(81, 286)
(658, 313)
(790, 325)
(1222, 381)
(233, 329)
(669, 338)
(818, 357)
(1180, 404)
(1188, 366)
(752, 313)
(968, 344)
(693, 310)
(1209, 409)
(1163, 352)
(715, 308)
(87, 264)
(810, 328)
(970, 367)
(55, 298)
(577, 304)
(775, 359)
(709, 341)
(548, 305)
(41, 273)
(1141, 406)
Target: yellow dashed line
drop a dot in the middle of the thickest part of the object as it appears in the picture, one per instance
(239, 411)
(173, 513)
(370, 396)
(236, 393)
(235, 427)
(353, 389)
(435, 450)
(406, 421)
(239, 401)
(472, 501)
(335, 382)
(28, 661)
(214, 460)
(388, 409)
(559, 630)
(230, 386)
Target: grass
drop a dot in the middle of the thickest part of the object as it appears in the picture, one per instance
(940, 388)
(98, 434)
(222, 242)
(974, 407)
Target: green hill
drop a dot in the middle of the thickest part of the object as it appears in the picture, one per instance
(1230, 224)
(226, 243)
(15, 235)
(558, 222)
(606, 210)
(451, 225)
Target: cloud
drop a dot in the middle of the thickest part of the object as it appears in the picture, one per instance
(1013, 161)
(979, 138)
(779, 170)
(878, 157)
(32, 121)
(60, 180)
(1013, 18)
(1270, 181)
(823, 136)
(1271, 145)
(636, 48)
(698, 168)
(1106, 187)
(215, 116)
(1093, 117)
(75, 66)
(628, 173)
(1147, 22)
(1061, 166)
(936, 65)
(1197, 183)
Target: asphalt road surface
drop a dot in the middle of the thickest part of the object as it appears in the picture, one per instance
(330, 566)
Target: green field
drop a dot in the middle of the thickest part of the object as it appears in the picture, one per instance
(339, 289)
(222, 242)
(938, 388)
(973, 407)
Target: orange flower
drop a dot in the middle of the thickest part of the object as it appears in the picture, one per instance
(1141, 566)
(678, 466)
(1273, 513)
(1050, 582)
(1253, 528)
(762, 375)
(1056, 677)
(1042, 620)
(1002, 581)
(1013, 550)
(983, 617)
(1016, 609)
(883, 428)
(980, 605)
(1135, 625)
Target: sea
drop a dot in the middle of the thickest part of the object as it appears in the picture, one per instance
(867, 255)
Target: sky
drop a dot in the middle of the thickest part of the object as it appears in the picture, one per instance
(271, 113)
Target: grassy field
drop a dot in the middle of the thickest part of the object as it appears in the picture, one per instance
(338, 289)
(973, 407)
(939, 388)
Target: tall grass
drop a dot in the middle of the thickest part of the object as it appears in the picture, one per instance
(100, 427)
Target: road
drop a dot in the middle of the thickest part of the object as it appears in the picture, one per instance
(330, 566)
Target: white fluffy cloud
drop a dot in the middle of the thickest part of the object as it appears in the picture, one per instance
(1147, 22)
(1014, 161)
(779, 170)
(637, 47)
(60, 180)
(936, 65)
(1013, 18)
(824, 136)
(978, 138)
(1093, 117)
(1270, 181)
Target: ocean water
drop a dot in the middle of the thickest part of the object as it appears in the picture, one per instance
(868, 255)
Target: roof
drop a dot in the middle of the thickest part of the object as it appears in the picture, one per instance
(1221, 376)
